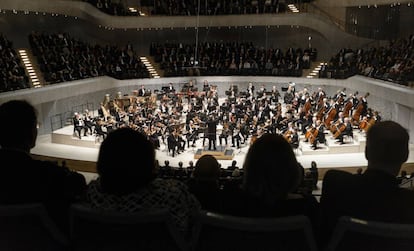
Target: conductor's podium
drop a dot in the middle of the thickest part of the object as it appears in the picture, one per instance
(221, 153)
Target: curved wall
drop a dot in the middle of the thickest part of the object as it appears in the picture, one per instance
(331, 35)
(394, 102)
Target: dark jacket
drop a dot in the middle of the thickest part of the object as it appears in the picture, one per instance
(26, 180)
(374, 195)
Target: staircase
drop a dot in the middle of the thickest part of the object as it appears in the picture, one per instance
(148, 62)
(313, 71)
(31, 68)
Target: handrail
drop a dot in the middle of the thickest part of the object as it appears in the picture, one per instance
(312, 8)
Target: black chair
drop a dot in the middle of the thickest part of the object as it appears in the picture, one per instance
(93, 229)
(224, 232)
(355, 234)
(28, 227)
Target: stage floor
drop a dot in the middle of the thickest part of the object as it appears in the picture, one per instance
(86, 149)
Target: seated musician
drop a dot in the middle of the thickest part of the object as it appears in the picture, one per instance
(79, 125)
(191, 133)
(236, 135)
(347, 130)
(153, 136)
(294, 139)
(225, 133)
(87, 118)
(99, 128)
(320, 136)
(111, 124)
(172, 143)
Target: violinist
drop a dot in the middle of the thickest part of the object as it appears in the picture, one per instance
(236, 135)
(191, 133)
(152, 134)
(289, 132)
(225, 133)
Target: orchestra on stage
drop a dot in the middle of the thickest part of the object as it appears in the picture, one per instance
(180, 118)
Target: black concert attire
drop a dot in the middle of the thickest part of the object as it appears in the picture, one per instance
(320, 137)
(347, 132)
(294, 140)
(88, 122)
(141, 92)
(212, 133)
(172, 144)
(236, 137)
(26, 180)
(99, 130)
(191, 135)
(225, 133)
(79, 125)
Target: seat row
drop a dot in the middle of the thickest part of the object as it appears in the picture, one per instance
(28, 227)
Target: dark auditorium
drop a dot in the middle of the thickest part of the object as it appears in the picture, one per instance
(198, 125)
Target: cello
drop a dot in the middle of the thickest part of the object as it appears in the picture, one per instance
(313, 135)
(339, 129)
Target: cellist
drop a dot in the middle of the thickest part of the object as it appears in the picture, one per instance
(347, 130)
(318, 135)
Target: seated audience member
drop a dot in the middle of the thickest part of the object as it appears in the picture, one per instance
(127, 182)
(374, 194)
(314, 173)
(26, 180)
(205, 182)
(271, 174)
(233, 165)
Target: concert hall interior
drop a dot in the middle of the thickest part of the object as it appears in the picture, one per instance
(255, 68)
(212, 77)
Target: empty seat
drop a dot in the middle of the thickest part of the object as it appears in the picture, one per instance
(223, 232)
(93, 229)
(28, 227)
(355, 234)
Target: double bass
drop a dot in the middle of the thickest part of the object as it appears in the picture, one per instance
(330, 116)
(358, 111)
(347, 108)
(307, 106)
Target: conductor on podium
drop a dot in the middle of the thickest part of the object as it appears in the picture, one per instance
(212, 131)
